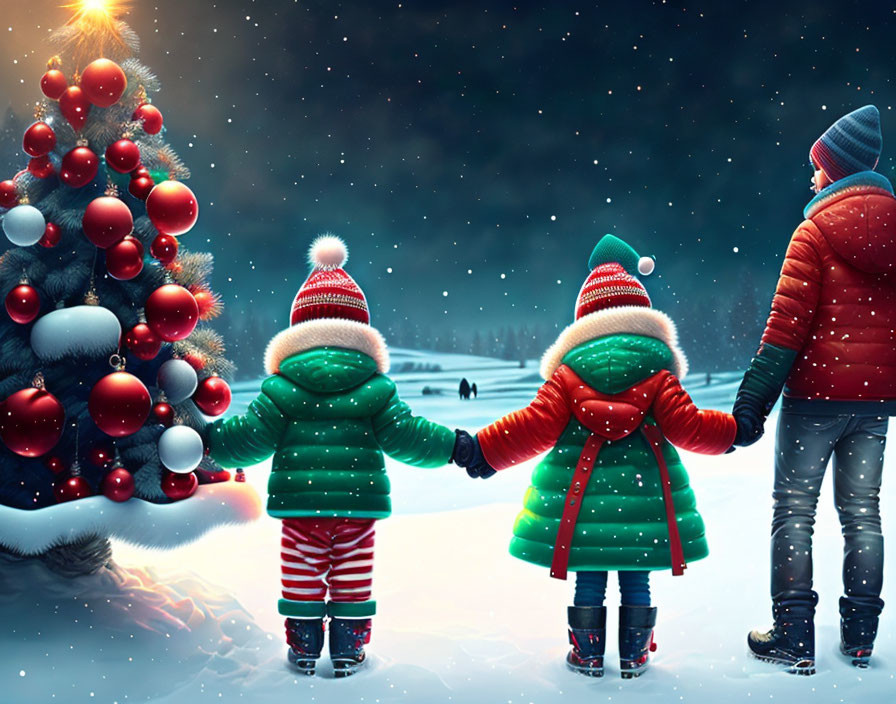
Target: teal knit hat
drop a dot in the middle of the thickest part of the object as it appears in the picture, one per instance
(611, 249)
(613, 281)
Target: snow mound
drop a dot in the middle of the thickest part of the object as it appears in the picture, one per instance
(135, 521)
(120, 635)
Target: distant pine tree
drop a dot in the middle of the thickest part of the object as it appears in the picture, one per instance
(476, 347)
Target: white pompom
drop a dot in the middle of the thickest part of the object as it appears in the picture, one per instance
(328, 252)
(646, 266)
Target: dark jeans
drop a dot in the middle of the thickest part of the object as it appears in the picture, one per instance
(804, 446)
(591, 588)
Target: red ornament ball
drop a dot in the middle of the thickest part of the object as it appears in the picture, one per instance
(31, 422)
(53, 84)
(100, 456)
(141, 187)
(107, 221)
(179, 486)
(9, 194)
(150, 116)
(39, 140)
(41, 167)
(118, 485)
(52, 235)
(79, 167)
(142, 341)
(71, 489)
(212, 396)
(164, 413)
(140, 172)
(75, 107)
(171, 312)
(123, 156)
(55, 464)
(103, 82)
(119, 404)
(23, 304)
(172, 207)
(164, 248)
(124, 259)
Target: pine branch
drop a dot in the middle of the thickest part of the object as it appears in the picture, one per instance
(208, 346)
(139, 75)
(195, 268)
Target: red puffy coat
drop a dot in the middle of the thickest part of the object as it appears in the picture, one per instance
(523, 434)
(835, 303)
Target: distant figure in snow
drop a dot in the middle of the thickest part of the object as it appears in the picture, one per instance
(828, 344)
(708, 378)
(464, 390)
(475, 390)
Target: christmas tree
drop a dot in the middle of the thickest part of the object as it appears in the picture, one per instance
(108, 369)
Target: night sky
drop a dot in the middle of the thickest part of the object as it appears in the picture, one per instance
(471, 154)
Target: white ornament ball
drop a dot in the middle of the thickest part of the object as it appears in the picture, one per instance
(91, 331)
(178, 380)
(646, 266)
(181, 449)
(328, 252)
(24, 225)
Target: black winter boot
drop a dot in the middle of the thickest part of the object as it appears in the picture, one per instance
(858, 629)
(790, 642)
(305, 637)
(636, 625)
(348, 636)
(588, 638)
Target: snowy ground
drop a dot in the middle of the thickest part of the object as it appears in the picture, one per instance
(459, 619)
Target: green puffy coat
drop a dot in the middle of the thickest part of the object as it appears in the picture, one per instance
(622, 521)
(327, 417)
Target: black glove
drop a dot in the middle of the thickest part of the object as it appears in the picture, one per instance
(468, 454)
(750, 427)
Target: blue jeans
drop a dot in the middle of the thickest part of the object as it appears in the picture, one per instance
(804, 446)
(591, 588)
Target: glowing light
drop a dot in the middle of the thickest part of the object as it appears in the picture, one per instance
(94, 30)
(108, 8)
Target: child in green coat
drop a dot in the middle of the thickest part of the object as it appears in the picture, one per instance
(327, 413)
(612, 493)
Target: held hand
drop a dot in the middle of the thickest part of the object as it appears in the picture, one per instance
(750, 427)
(468, 454)
(464, 448)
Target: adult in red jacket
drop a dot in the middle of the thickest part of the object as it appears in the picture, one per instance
(829, 345)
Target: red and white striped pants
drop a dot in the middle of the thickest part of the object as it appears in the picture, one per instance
(321, 554)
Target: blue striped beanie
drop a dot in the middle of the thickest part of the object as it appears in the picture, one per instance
(850, 145)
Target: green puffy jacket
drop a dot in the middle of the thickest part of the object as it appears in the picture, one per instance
(327, 417)
(622, 521)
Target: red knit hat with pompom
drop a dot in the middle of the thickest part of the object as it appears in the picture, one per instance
(329, 292)
(612, 281)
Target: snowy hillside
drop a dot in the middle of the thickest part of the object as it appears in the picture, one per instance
(459, 619)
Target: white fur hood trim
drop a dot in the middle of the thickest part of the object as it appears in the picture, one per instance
(137, 522)
(330, 332)
(633, 320)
